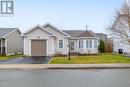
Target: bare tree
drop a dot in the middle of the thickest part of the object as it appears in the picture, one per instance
(120, 28)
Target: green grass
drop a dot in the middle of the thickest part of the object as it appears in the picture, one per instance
(97, 59)
(10, 57)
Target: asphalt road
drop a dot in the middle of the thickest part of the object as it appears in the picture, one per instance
(65, 78)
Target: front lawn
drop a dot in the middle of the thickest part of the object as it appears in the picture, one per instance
(10, 57)
(97, 59)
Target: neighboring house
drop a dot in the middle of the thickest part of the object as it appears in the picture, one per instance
(10, 41)
(104, 38)
(48, 40)
(120, 47)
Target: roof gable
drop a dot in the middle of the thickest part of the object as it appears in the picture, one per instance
(33, 28)
(6, 31)
(57, 29)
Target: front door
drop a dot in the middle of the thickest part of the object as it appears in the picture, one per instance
(72, 46)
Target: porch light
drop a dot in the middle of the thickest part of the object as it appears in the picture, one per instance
(69, 45)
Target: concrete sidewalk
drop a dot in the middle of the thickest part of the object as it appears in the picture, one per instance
(65, 66)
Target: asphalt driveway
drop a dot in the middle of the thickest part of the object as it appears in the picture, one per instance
(27, 60)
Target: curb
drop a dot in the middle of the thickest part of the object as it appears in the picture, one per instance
(88, 68)
(62, 66)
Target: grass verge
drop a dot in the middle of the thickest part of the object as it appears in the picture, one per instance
(10, 57)
(94, 59)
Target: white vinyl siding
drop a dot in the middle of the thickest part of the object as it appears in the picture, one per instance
(14, 43)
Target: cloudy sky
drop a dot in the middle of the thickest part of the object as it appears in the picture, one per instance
(65, 14)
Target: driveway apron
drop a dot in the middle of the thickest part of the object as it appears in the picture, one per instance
(27, 60)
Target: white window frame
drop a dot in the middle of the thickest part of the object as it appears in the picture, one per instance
(95, 44)
(88, 43)
(61, 45)
(80, 43)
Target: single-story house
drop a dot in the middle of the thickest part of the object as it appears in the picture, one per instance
(49, 40)
(11, 41)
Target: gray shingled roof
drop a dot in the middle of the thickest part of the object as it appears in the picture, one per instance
(4, 31)
(86, 34)
(100, 34)
(79, 33)
(73, 33)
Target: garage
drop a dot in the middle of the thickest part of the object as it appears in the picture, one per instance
(38, 47)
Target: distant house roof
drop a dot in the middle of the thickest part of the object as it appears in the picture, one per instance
(79, 33)
(100, 34)
(5, 31)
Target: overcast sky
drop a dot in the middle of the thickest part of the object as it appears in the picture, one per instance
(65, 14)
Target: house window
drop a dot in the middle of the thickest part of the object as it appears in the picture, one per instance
(89, 44)
(95, 44)
(80, 43)
(60, 43)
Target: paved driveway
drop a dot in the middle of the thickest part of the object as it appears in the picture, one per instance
(27, 60)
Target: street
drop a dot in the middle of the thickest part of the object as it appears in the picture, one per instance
(65, 78)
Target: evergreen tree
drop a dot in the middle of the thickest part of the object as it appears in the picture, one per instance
(101, 47)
